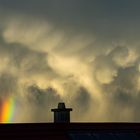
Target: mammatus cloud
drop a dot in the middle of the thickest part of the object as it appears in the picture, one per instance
(44, 61)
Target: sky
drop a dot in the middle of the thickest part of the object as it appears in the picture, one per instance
(85, 53)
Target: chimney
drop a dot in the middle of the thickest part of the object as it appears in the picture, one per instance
(61, 114)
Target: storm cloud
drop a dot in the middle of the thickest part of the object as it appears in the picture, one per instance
(84, 53)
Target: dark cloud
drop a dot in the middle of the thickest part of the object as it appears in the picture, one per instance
(42, 101)
(8, 84)
(95, 15)
(82, 99)
(47, 96)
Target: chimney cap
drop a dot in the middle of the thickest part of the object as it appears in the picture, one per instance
(61, 107)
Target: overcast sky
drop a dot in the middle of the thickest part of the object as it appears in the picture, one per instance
(82, 52)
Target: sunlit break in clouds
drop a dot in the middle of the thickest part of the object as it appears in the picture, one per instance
(85, 53)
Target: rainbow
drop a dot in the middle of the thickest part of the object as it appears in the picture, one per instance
(7, 107)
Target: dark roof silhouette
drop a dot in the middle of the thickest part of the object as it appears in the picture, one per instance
(70, 131)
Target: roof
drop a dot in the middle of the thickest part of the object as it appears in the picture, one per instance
(104, 136)
(71, 131)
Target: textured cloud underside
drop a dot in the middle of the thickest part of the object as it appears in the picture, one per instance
(92, 64)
